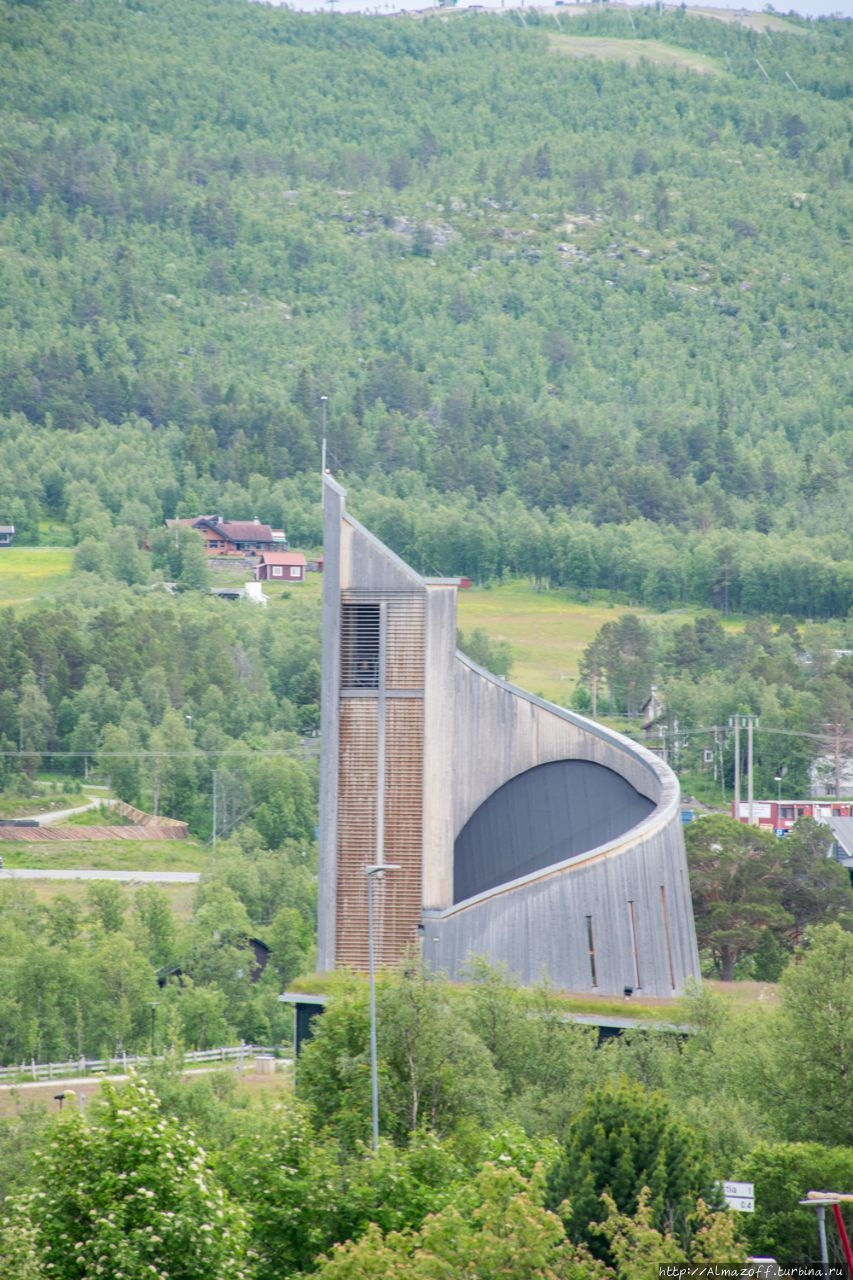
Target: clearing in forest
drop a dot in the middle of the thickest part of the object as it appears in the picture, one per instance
(547, 631)
(29, 572)
(633, 51)
(763, 21)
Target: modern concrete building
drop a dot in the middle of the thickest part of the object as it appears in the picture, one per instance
(519, 831)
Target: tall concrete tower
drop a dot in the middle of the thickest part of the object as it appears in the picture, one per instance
(519, 831)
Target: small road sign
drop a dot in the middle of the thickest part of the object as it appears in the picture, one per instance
(740, 1196)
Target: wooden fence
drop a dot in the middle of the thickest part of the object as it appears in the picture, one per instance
(123, 1062)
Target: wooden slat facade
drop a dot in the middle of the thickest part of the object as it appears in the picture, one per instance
(382, 664)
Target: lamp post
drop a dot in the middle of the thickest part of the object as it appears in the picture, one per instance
(372, 872)
(819, 1204)
(778, 781)
(152, 1005)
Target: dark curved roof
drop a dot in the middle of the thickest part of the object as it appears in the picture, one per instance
(552, 812)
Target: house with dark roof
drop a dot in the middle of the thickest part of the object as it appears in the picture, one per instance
(234, 537)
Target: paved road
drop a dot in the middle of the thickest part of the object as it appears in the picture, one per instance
(125, 877)
(59, 815)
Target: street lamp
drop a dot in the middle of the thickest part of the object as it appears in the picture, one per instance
(152, 1005)
(372, 872)
(819, 1203)
(778, 780)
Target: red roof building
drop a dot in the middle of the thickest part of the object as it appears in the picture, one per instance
(281, 566)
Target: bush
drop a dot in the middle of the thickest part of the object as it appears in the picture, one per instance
(783, 1172)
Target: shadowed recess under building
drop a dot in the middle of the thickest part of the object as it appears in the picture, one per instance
(517, 830)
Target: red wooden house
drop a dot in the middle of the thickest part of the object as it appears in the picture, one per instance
(281, 566)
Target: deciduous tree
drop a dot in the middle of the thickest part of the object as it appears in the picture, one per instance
(128, 1193)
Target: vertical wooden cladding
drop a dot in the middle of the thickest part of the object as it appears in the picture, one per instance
(398, 894)
(404, 647)
(381, 719)
(356, 826)
(403, 825)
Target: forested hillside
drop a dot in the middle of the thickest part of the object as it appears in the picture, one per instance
(582, 319)
(603, 310)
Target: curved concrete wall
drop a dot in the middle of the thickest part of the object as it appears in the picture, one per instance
(613, 917)
(405, 768)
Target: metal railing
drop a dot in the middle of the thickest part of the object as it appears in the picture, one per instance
(123, 1062)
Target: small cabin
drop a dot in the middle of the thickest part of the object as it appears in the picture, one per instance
(280, 566)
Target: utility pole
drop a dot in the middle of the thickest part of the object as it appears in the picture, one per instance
(375, 871)
(152, 1005)
(749, 770)
(749, 723)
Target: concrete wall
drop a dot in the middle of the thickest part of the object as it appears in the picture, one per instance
(634, 895)
(613, 916)
(333, 513)
(632, 892)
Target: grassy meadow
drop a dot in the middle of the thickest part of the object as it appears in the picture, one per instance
(632, 52)
(27, 573)
(547, 631)
(105, 855)
(181, 896)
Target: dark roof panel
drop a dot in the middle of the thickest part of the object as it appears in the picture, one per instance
(539, 818)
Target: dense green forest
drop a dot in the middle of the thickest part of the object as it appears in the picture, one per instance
(165, 690)
(513, 1145)
(603, 311)
(577, 320)
(797, 682)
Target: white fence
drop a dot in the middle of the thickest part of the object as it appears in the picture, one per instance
(124, 1062)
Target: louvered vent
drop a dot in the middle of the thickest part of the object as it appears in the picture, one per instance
(360, 640)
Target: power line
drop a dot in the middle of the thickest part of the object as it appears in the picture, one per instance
(151, 755)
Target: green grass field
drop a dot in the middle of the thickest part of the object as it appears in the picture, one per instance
(181, 896)
(106, 855)
(611, 49)
(547, 631)
(26, 573)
